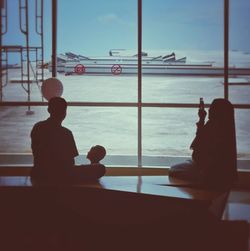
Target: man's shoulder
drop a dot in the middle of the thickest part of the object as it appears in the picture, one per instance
(66, 130)
(40, 124)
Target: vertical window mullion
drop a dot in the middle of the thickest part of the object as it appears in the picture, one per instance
(226, 37)
(139, 107)
(54, 38)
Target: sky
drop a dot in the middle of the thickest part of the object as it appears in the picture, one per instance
(94, 27)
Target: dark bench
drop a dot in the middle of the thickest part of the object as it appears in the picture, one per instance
(149, 210)
(156, 189)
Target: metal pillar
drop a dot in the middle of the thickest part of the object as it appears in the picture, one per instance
(1, 69)
(3, 30)
(25, 30)
(226, 42)
(54, 38)
(139, 83)
(39, 31)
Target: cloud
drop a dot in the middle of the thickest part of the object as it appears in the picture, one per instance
(108, 18)
(115, 19)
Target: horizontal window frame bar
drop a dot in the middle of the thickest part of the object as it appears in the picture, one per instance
(117, 104)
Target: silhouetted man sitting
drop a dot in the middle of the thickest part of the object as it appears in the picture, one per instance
(54, 149)
(53, 145)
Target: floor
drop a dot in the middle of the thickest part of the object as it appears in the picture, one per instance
(238, 207)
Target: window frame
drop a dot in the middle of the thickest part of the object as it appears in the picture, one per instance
(139, 104)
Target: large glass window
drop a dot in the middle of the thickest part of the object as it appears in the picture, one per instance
(167, 135)
(182, 60)
(101, 35)
(239, 54)
(185, 40)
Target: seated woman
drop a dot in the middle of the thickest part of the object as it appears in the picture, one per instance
(214, 158)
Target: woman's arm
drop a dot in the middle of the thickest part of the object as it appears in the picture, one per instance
(200, 124)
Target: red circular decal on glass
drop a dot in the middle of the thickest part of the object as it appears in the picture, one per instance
(79, 69)
(116, 69)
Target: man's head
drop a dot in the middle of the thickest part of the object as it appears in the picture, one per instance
(96, 153)
(57, 108)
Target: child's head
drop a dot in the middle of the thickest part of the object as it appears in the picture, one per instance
(96, 153)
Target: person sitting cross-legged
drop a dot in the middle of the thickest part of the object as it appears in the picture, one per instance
(53, 146)
(214, 157)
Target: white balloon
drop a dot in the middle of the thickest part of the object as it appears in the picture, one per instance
(52, 87)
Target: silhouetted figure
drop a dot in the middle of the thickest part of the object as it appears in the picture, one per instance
(53, 145)
(93, 171)
(54, 149)
(96, 154)
(214, 157)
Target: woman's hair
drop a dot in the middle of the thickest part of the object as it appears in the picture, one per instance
(221, 114)
(221, 110)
